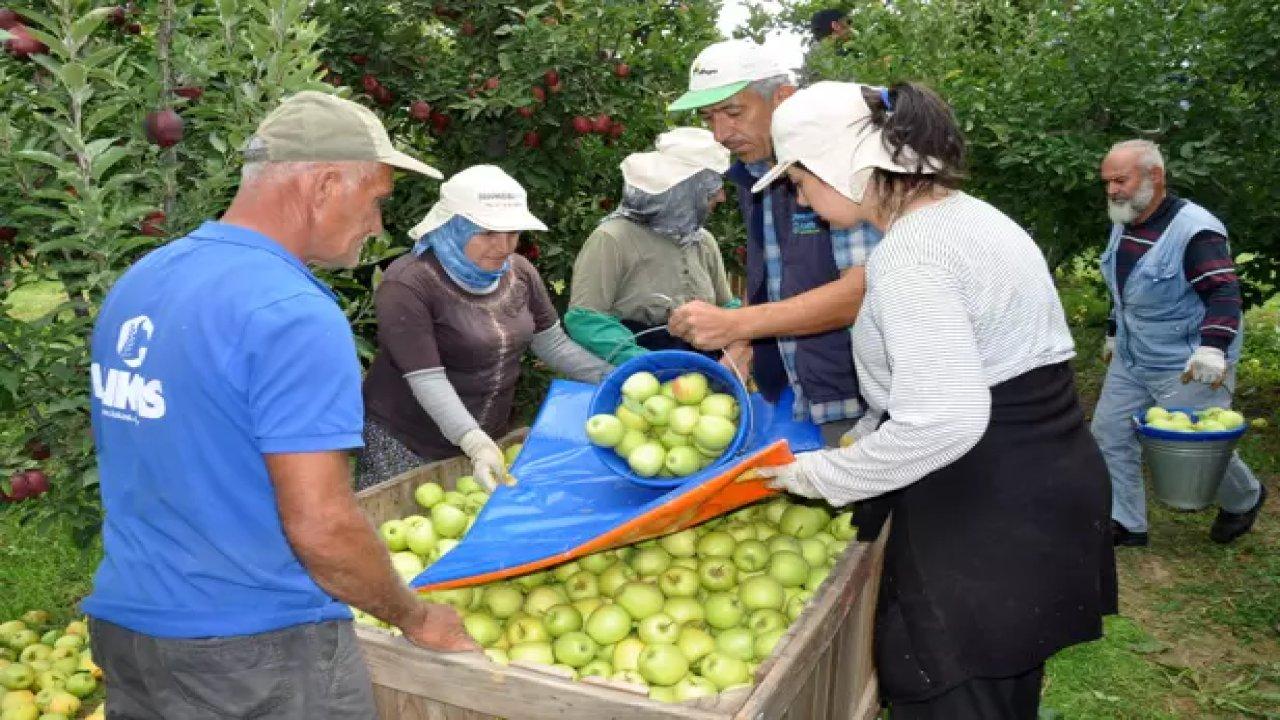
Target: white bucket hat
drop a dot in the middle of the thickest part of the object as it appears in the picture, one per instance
(827, 128)
(722, 70)
(681, 153)
(486, 196)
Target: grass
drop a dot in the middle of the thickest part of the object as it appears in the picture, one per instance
(1199, 631)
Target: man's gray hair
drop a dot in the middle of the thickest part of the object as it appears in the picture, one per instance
(1148, 153)
(768, 87)
(257, 169)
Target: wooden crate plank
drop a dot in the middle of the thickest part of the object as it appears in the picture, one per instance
(470, 680)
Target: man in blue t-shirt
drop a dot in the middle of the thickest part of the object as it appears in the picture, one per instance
(226, 396)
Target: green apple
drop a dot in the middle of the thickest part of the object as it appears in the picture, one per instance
(651, 561)
(751, 556)
(443, 547)
(497, 655)
(663, 694)
(574, 648)
(724, 610)
(502, 601)
(541, 599)
(614, 577)
(762, 591)
(695, 643)
(647, 459)
(562, 619)
(1210, 426)
(538, 652)
(678, 582)
(23, 639)
(459, 599)
(737, 642)
(683, 420)
(467, 484)
(641, 386)
(841, 526)
(723, 670)
(1230, 419)
(663, 664)
(428, 495)
(393, 534)
(814, 552)
(658, 628)
(632, 419)
(586, 606)
(682, 461)
(640, 599)
(816, 577)
(608, 624)
(630, 441)
(565, 571)
(796, 605)
(765, 642)
(801, 521)
(482, 627)
(740, 531)
(717, 573)
(693, 687)
(50, 680)
(669, 389)
(512, 452)
(448, 520)
(34, 652)
(690, 388)
(685, 610)
(626, 654)
(597, 562)
(17, 676)
(596, 669)
(721, 405)
(630, 677)
(716, 543)
(421, 538)
(605, 430)
(669, 440)
(582, 585)
(784, 543)
(657, 410)
(526, 629)
(713, 432)
(681, 544)
(407, 565)
(766, 620)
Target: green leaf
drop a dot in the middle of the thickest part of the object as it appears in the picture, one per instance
(108, 158)
(85, 26)
(47, 158)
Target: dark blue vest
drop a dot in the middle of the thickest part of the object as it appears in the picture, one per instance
(824, 362)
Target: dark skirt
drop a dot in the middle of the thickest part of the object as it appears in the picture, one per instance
(1004, 557)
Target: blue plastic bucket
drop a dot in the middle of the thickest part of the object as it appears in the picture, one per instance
(667, 365)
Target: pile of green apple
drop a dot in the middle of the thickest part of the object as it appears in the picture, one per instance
(45, 671)
(1214, 419)
(688, 615)
(670, 429)
(417, 541)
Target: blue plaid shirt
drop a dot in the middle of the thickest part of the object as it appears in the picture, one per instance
(850, 249)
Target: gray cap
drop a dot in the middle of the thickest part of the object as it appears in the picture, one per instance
(313, 126)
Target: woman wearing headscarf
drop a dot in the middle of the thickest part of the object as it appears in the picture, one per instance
(652, 254)
(455, 317)
(999, 551)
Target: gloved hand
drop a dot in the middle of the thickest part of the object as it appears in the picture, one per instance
(1108, 349)
(790, 478)
(487, 464)
(1207, 365)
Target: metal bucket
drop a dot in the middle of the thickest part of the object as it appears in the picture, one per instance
(1186, 468)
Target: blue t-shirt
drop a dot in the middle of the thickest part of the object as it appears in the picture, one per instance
(209, 352)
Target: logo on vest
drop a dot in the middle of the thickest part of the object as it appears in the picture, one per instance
(125, 395)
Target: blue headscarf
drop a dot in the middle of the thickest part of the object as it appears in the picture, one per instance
(448, 242)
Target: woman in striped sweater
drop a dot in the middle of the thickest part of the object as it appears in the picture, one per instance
(999, 553)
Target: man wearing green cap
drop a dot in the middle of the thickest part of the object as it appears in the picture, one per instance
(804, 280)
(226, 396)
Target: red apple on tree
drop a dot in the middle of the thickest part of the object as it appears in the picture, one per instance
(9, 19)
(37, 449)
(622, 70)
(551, 77)
(163, 127)
(539, 94)
(616, 130)
(468, 28)
(582, 124)
(440, 122)
(22, 45)
(601, 124)
(420, 110)
(532, 140)
(152, 224)
(358, 59)
(525, 111)
(370, 83)
(37, 482)
(118, 16)
(383, 96)
(18, 489)
(8, 233)
(133, 28)
(190, 92)
(492, 83)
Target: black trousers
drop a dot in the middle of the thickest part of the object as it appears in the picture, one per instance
(1013, 698)
(306, 672)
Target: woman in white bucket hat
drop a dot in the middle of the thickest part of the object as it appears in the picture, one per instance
(455, 316)
(999, 551)
(652, 254)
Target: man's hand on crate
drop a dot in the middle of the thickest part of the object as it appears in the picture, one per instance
(438, 627)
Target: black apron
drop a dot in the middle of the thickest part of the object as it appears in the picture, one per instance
(1002, 558)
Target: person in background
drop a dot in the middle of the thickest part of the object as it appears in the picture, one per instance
(226, 395)
(455, 317)
(998, 553)
(1174, 335)
(830, 23)
(653, 253)
(735, 86)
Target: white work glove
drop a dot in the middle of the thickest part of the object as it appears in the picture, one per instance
(792, 478)
(488, 466)
(1108, 349)
(1207, 365)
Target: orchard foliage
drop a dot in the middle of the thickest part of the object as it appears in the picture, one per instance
(122, 127)
(1044, 87)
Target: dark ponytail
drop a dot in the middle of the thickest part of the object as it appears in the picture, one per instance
(915, 117)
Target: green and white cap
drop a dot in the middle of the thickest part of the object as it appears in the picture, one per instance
(722, 70)
(314, 126)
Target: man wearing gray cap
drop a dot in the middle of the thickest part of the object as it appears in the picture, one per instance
(226, 395)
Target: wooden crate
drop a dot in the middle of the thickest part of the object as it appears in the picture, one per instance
(821, 669)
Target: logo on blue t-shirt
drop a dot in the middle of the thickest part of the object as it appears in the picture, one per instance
(126, 395)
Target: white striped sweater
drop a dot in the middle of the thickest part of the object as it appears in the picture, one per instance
(959, 298)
